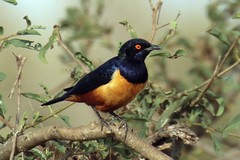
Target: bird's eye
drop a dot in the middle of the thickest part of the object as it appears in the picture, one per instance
(138, 46)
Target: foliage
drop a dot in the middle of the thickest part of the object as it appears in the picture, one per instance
(198, 107)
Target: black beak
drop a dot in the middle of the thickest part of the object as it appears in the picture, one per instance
(153, 47)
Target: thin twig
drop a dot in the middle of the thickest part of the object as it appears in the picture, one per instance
(207, 86)
(49, 116)
(71, 54)
(219, 74)
(178, 15)
(17, 84)
(155, 10)
(7, 123)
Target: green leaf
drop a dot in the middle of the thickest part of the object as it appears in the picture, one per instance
(160, 53)
(59, 146)
(236, 15)
(195, 113)
(22, 44)
(37, 27)
(23, 120)
(129, 28)
(221, 107)
(174, 107)
(214, 104)
(217, 144)
(2, 107)
(86, 61)
(37, 117)
(173, 25)
(219, 35)
(1, 30)
(2, 76)
(232, 124)
(180, 53)
(43, 51)
(28, 32)
(39, 153)
(27, 21)
(52, 39)
(14, 2)
(66, 119)
(34, 96)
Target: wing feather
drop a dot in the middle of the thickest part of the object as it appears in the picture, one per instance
(100, 76)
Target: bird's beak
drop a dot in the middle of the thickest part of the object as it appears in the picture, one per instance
(153, 47)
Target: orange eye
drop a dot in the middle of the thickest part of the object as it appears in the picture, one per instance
(138, 46)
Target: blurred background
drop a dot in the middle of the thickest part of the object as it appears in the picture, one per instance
(98, 44)
(50, 13)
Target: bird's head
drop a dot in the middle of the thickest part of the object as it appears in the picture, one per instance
(137, 49)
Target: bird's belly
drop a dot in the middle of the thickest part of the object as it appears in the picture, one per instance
(113, 95)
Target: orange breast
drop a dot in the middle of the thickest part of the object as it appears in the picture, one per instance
(111, 96)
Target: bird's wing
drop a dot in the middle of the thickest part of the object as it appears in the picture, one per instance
(100, 76)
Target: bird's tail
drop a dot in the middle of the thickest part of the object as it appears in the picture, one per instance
(55, 100)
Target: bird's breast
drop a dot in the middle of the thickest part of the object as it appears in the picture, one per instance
(113, 95)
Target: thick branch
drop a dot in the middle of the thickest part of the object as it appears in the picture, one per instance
(32, 139)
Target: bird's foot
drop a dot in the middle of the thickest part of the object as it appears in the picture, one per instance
(104, 123)
(123, 124)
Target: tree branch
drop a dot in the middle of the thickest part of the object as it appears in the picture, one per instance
(219, 72)
(17, 84)
(83, 133)
(155, 11)
(70, 53)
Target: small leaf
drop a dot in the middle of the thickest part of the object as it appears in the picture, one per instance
(129, 28)
(52, 39)
(173, 25)
(195, 113)
(214, 104)
(174, 107)
(2, 76)
(219, 35)
(221, 107)
(2, 107)
(232, 124)
(236, 16)
(178, 53)
(34, 96)
(37, 27)
(217, 144)
(37, 117)
(14, 2)
(22, 44)
(66, 119)
(28, 32)
(59, 147)
(82, 58)
(27, 21)
(161, 54)
(1, 30)
(23, 120)
(43, 51)
(39, 153)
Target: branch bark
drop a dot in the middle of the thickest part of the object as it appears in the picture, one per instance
(83, 133)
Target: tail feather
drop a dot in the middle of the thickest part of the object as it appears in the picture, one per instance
(55, 100)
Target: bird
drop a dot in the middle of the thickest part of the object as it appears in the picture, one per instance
(115, 83)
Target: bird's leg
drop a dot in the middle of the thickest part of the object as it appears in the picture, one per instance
(123, 123)
(103, 122)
